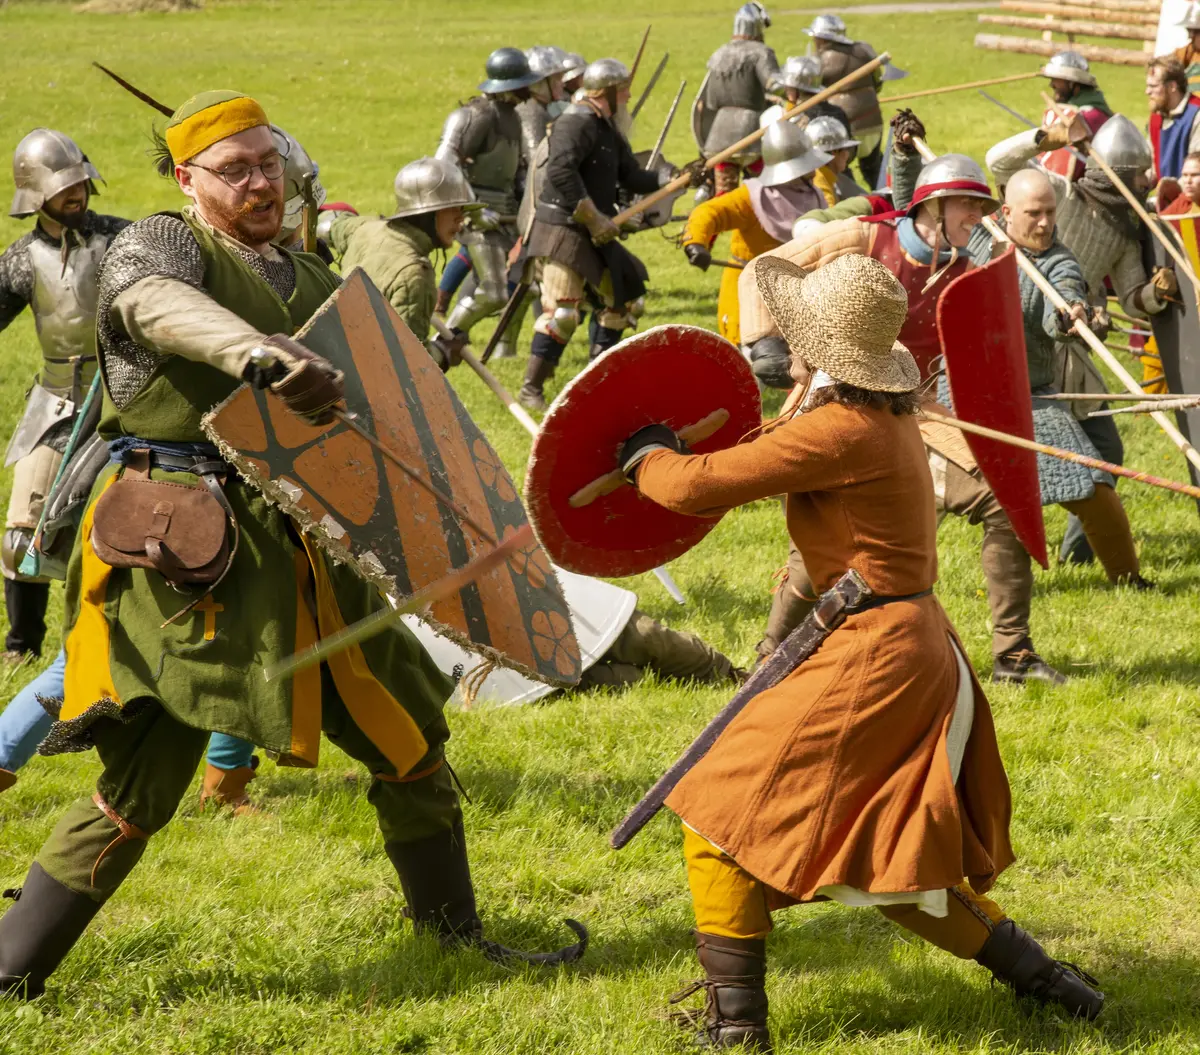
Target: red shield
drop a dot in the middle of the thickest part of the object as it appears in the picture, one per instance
(672, 375)
(982, 336)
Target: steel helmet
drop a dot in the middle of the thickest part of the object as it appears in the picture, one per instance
(829, 134)
(546, 60)
(299, 171)
(750, 20)
(829, 27)
(507, 71)
(329, 213)
(1121, 144)
(802, 72)
(429, 184)
(950, 175)
(605, 73)
(1191, 17)
(573, 65)
(45, 163)
(1069, 66)
(788, 154)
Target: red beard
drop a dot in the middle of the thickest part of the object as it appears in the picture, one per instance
(244, 222)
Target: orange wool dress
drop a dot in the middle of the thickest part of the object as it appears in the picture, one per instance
(840, 775)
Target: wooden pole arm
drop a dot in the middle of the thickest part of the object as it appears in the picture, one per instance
(1080, 327)
(681, 181)
(956, 88)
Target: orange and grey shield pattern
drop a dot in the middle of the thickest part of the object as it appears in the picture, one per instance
(366, 511)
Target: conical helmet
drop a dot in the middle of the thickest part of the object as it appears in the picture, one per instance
(429, 184)
(45, 163)
(750, 20)
(788, 154)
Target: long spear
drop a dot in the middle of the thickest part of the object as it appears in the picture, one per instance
(1080, 327)
(682, 180)
(1058, 452)
(656, 153)
(956, 88)
(637, 59)
(662, 65)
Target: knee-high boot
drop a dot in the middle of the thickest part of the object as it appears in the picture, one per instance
(1018, 961)
(735, 975)
(38, 931)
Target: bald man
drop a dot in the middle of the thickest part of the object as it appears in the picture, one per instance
(1029, 214)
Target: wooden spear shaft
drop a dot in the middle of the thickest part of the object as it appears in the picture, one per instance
(1184, 264)
(1058, 452)
(489, 379)
(956, 88)
(681, 181)
(1081, 327)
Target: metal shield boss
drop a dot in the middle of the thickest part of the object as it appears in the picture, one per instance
(679, 376)
(1177, 329)
(366, 512)
(982, 337)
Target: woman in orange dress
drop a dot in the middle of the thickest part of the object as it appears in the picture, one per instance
(871, 774)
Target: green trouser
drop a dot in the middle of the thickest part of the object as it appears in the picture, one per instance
(149, 762)
(645, 644)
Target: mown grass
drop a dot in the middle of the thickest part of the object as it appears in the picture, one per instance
(282, 933)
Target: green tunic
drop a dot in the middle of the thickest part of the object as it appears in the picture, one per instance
(206, 668)
(395, 256)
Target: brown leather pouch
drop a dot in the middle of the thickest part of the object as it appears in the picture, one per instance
(178, 530)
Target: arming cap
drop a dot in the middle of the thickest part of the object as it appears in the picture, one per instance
(605, 73)
(428, 184)
(507, 71)
(546, 60)
(788, 154)
(952, 175)
(829, 27)
(750, 20)
(802, 72)
(45, 163)
(1069, 66)
(1191, 17)
(829, 134)
(1121, 144)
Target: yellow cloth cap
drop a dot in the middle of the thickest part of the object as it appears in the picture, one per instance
(208, 118)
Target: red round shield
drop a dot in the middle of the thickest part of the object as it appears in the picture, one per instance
(672, 375)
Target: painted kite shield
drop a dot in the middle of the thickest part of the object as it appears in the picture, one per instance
(366, 512)
(672, 375)
(1177, 330)
(982, 337)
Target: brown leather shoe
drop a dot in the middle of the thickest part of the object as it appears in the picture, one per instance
(1025, 665)
(227, 787)
(7, 779)
(735, 1012)
(1018, 961)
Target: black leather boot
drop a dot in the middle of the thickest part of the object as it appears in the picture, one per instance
(435, 876)
(1018, 961)
(538, 371)
(735, 1013)
(38, 932)
(603, 338)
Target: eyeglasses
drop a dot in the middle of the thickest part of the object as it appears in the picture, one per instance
(238, 174)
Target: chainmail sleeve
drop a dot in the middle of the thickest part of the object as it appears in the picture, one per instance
(16, 279)
(159, 245)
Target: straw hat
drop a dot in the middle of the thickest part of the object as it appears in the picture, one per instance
(842, 318)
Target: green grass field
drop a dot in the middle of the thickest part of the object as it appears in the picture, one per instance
(282, 933)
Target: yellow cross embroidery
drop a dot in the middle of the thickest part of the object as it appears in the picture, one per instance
(210, 609)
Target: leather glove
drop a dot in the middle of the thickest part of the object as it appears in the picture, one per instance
(1067, 319)
(448, 350)
(905, 125)
(642, 442)
(599, 226)
(1100, 322)
(311, 387)
(1165, 283)
(1063, 133)
(696, 172)
(698, 256)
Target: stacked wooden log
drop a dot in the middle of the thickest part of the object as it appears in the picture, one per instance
(1110, 19)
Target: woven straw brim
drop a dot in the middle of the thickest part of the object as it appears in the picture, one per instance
(845, 322)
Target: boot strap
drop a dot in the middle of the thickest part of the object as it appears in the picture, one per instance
(125, 831)
(408, 778)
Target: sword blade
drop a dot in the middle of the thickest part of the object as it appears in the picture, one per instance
(847, 592)
(662, 65)
(662, 136)
(1008, 109)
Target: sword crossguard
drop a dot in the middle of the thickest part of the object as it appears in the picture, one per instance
(609, 482)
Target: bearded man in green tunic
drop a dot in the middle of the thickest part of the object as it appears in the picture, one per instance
(193, 304)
